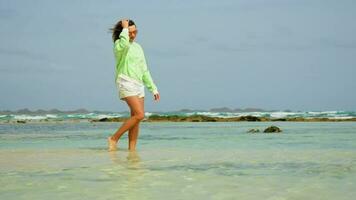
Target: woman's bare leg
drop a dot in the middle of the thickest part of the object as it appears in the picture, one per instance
(133, 132)
(136, 107)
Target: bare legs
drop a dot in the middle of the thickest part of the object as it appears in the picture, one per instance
(133, 135)
(136, 105)
(133, 132)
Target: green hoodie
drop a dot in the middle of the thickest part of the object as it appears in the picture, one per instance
(130, 61)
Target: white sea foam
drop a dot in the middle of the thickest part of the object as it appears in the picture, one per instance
(282, 114)
(100, 116)
(29, 117)
(210, 114)
(341, 117)
(322, 112)
(255, 114)
(147, 114)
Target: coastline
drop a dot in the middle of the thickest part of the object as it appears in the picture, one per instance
(203, 118)
(177, 118)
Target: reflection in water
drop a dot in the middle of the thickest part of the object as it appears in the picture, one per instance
(132, 161)
(131, 173)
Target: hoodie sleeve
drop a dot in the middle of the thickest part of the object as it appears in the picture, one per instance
(124, 41)
(147, 79)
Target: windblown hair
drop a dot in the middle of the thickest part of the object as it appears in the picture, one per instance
(117, 29)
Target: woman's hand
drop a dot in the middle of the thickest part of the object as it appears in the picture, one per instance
(156, 97)
(125, 23)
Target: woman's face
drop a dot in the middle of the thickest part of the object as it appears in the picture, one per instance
(132, 32)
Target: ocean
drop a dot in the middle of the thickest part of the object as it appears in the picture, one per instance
(207, 160)
(100, 115)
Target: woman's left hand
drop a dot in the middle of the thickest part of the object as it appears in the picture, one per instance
(156, 97)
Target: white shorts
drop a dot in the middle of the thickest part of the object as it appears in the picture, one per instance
(128, 86)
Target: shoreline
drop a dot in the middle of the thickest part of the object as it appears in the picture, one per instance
(176, 118)
(202, 118)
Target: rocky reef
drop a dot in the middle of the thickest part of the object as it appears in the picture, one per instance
(202, 118)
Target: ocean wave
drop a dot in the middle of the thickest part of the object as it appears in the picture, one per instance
(147, 114)
(51, 116)
(100, 116)
(275, 114)
(285, 114)
(29, 117)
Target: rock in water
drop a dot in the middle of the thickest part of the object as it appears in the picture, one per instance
(105, 119)
(253, 130)
(272, 129)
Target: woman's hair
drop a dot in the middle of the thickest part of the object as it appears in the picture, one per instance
(116, 30)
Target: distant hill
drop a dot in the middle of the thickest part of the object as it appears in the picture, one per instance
(27, 111)
(226, 109)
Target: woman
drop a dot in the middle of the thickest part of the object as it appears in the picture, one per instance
(132, 75)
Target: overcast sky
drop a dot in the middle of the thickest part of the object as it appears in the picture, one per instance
(271, 54)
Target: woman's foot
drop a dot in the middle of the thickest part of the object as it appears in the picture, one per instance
(112, 144)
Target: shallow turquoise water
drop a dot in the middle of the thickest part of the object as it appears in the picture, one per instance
(179, 161)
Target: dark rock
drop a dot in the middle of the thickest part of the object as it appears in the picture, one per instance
(253, 130)
(272, 129)
(105, 119)
(208, 119)
(21, 121)
(279, 119)
(249, 118)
